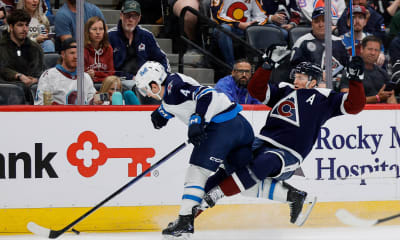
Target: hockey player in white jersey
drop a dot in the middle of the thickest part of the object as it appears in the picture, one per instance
(297, 113)
(219, 133)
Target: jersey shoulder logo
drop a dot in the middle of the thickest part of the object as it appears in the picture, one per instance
(169, 87)
(287, 109)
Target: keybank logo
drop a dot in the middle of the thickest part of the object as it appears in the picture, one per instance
(88, 154)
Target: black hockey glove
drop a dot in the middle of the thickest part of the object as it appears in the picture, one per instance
(355, 69)
(196, 131)
(274, 56)
(158, 120)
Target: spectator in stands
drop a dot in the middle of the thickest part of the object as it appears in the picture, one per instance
(3, 15)
(235, 85)
(61, 80)
(375, 78)
(49, 13)
(23, 58)
(311, 46)
(110, 85)
(235, 16)
(385, 8)
(65, 19)
(133, 45)
(284, 14)
(39, 26)
(394, 50)
(190, 19)
(394, 27)
(375, 24)
(360, 18)
(98, 51)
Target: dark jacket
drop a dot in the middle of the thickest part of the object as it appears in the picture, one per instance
(27, 59)
(375, 24)
(147, 49)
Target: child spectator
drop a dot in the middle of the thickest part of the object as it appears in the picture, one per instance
(98, 51)
(110, 85)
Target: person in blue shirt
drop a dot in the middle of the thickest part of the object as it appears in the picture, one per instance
(65, 20)
(235, 85)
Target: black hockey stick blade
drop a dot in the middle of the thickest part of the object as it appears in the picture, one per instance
(349, 219)
(49, 233)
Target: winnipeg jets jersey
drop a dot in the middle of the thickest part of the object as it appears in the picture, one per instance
(63, 87)
(234, 11)
(296, 116)
(184, 96)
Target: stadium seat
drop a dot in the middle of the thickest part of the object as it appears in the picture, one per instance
(296, 33)
(11, 94)
(261, 37)
(50, 59)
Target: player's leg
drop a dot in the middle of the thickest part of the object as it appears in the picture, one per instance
(193, 192)
(265, 164)
(205, 159)
(283, 192)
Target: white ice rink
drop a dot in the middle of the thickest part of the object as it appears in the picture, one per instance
(372, 233)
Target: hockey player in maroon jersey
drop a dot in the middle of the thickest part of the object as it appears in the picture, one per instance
(297, 113)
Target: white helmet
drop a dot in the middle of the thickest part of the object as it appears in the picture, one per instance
(150, 72)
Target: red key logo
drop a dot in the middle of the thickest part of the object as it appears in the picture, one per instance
(88, 154)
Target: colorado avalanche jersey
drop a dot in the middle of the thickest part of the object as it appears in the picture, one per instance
(184, 96)
(296, 116)
(235, 11)
(63, 87)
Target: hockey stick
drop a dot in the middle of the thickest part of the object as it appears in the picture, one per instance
(349, 219)
(49, 233)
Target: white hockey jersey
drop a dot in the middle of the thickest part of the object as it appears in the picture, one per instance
(235, 11)
(63, 87)
(184, 96)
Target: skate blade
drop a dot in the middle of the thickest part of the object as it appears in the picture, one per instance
(183, 236)
(310, 200)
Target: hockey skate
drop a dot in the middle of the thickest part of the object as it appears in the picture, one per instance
(182, 228)
(297, 199)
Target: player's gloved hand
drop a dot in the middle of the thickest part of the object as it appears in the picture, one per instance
(158, 120)
(274, 56)
(196, 131)
(355, 69)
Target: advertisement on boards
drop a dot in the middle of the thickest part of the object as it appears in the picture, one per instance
(76, 159)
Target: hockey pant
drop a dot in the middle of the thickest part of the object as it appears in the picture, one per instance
(234, 152)
(261, 178)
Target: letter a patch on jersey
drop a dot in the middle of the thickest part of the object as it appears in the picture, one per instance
(287, 109)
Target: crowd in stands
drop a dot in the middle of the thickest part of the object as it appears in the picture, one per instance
(30, 31)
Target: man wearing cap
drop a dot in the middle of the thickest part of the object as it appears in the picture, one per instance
(61, 80)
(360, 18)
(375, 24)
(376, 80)
(22, 59)
(65, 19)
(311, 46)
(133, 45)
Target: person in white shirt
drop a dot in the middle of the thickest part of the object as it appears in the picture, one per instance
(61, 80)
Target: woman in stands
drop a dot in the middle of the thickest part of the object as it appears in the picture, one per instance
(98, 51)
(109, 87)
(39, 26)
